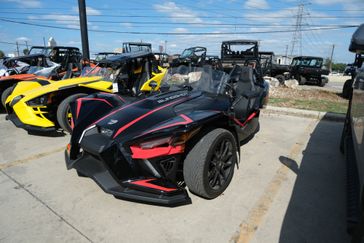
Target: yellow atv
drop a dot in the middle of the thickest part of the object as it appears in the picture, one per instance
(44, 106)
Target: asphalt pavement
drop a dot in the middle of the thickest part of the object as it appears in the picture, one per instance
(289, 188)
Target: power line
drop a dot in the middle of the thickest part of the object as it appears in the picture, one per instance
(200, 25)
(206, 9)
(183, 17)
(175, 33)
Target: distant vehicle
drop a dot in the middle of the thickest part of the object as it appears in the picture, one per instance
(269, 68)
(352, 142)
(162, 58)
(194, 56)
(214, 61)
(350, 69)
(136, 46)
(53, 63)
(240, 52)
(309, 69)
(103, 55)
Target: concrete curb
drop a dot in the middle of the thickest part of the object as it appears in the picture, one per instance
(319, 115)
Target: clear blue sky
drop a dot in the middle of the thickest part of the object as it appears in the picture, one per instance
(158, 21)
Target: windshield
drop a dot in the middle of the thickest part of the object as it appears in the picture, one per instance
(309, 62)
(198, 78)
(40, 50)
(107, 73)
(186, 53)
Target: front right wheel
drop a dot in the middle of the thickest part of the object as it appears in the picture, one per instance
(209, 165)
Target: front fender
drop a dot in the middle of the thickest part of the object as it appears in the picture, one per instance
(24, 86)
(87, 110)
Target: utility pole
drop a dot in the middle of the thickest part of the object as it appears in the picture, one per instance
(83, 27)
(17, 48)
(165, 46)
(285, 56)
(332, 55)
(297, 34)
(44, 42)
(26, 43)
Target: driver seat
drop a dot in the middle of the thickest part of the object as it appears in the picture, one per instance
(247, 92)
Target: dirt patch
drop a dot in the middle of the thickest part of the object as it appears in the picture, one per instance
(319, 100)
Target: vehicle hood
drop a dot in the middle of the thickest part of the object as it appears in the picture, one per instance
(53, 86)
(159, 112)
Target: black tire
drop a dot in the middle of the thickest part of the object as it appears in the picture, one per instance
(207, 171)
(63, 112)
(347, 89)
(323, 81)
(5, 95)
(301, 80)
(280, 78)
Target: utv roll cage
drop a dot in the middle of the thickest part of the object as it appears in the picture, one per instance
(136, 47)
(194, 56)
(136, 68)
(243, 53)
(235, 50)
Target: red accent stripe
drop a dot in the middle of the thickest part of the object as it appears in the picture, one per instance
(79, 103)
(139, 153)
(143, 116)
(146, 183)
(186, 118)
(121, 108)
(247, 120)
(98, 99)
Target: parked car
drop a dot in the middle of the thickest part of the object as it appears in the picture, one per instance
(352, 142)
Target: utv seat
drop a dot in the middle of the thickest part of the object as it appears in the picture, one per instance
(247, 92)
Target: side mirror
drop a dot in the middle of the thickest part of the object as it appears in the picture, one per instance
(153, 85)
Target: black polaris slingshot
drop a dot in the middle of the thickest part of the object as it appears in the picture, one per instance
(188, 133)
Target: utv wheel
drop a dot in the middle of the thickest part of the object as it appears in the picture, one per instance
(323, 81)
(64, 115)
(281, 79)
(209, 166)
(301, 80)
(5, 95)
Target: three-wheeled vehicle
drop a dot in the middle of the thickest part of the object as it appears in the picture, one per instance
(186, 134)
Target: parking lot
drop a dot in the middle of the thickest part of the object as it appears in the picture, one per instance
(290, 187)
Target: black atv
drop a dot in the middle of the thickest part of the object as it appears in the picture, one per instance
(307, 69)
(194, 56)
(187, 134)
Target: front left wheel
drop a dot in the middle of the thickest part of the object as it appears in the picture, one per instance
(6, 94)
(209, 165)
(64, 115)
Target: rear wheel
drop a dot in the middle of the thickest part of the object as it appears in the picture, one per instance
(301, 80)
(323, 81)
(209, 166)
(5, 95)
(64, 115)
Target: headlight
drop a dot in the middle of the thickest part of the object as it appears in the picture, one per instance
(107, 132)
(156, 143)
(15, 100)
(39, 101)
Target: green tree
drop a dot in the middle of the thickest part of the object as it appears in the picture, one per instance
(2, 54)
(339, 67)
(26, 51)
